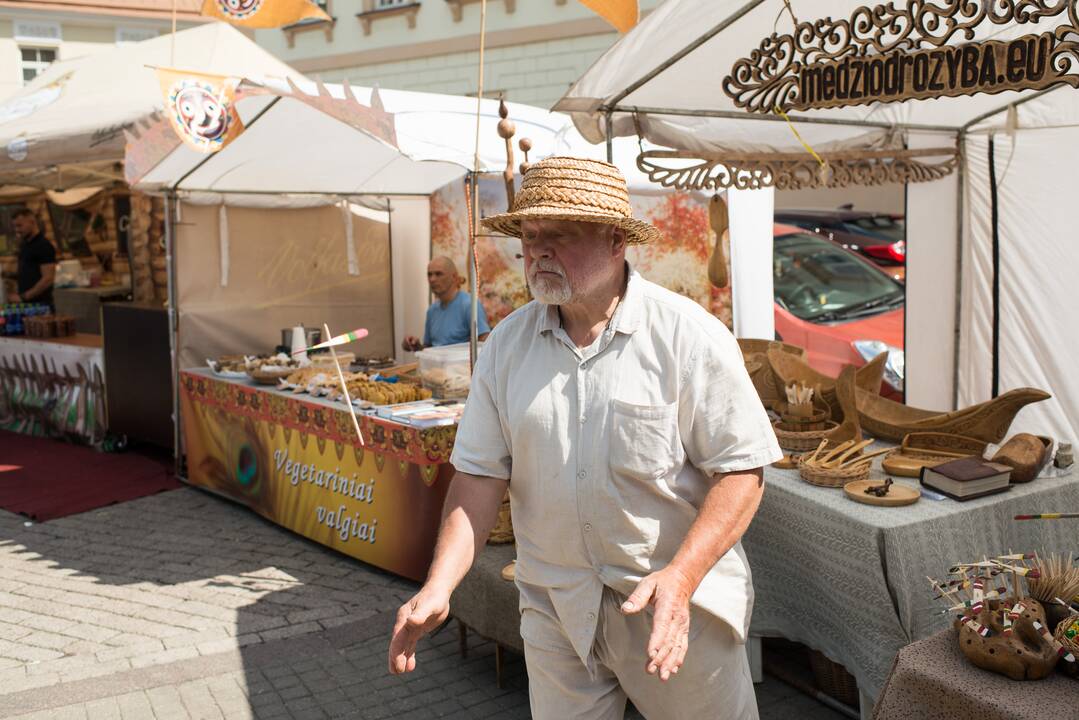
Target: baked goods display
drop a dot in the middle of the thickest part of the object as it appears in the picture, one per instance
(362, 389)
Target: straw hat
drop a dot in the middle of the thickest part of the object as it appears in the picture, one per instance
(567, 188)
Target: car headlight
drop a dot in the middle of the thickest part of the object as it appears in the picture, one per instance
(894, 367)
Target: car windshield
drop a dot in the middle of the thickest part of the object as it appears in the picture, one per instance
(816, 280)
(881, 226)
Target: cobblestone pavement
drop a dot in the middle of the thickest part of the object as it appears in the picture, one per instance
(183, 605)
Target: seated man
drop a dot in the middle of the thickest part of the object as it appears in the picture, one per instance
(448, 319)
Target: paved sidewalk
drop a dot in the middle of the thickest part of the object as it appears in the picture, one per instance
(183, 605)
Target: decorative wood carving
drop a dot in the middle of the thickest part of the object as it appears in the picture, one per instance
(794, 171)
(890, 54)
(371, 13)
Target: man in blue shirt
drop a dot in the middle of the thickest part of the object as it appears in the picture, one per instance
(448, 318)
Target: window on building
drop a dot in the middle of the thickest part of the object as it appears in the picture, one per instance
(128, 35)
(35, 60)
(383, 4)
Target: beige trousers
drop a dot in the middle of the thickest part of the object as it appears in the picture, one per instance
(714, 681)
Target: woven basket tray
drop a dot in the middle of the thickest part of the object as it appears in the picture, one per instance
(805, 423)
(834, 478)
(502, 533)
(1070, 644)
(793, 440)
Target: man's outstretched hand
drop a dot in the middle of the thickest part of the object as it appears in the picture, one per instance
(669, 592)
(417, 617)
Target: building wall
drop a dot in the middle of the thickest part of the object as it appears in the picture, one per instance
(533, 54)
(81, 34)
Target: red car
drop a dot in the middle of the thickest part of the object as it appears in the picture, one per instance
(879, 237)
(840, 307)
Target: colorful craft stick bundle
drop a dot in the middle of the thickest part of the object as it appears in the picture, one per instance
(1061, 651)
(1017, 556)
(976, 626)
(978, 596)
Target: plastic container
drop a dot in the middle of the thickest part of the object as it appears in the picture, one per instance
(446, 370)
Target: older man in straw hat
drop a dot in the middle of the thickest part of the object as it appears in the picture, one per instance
(621, 417)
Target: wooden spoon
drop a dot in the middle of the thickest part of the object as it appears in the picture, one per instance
(861, 458)
(719, 219)
(838, 462)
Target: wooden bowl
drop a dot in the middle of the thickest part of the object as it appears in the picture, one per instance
(832, 477)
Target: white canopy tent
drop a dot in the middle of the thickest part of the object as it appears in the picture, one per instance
(665, 78)
(65, 129)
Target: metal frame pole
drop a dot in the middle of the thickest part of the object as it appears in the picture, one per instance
(173, 319)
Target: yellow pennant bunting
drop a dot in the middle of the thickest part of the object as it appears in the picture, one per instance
(623, 14)
(263, 13)
(201, 108)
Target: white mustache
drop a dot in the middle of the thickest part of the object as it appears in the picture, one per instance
(541, 265)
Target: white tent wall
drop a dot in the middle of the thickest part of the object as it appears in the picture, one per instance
(410, 249)
(1039, 336)
(287, 267)
(751, 222)
(932, 254)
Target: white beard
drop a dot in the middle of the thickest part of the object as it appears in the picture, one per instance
(547, 290)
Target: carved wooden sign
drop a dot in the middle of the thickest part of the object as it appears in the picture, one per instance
(885, 54)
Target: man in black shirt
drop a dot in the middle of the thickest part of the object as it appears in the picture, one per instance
(37, 261)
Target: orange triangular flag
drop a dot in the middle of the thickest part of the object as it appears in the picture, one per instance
(201, 108)
(263, 13)
(623, 14)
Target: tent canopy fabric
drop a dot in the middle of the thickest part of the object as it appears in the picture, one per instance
(659, 66)
(291, 147)
(74, 114)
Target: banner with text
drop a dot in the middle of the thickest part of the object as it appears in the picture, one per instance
(373, 503)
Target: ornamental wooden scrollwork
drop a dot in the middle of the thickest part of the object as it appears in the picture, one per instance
(889, 54)
(795, 171)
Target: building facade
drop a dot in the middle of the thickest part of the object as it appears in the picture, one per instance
(535, 48)
(34, 34)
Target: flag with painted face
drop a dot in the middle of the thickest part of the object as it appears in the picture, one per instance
(623, 14)
(201, 108)
(263, 13)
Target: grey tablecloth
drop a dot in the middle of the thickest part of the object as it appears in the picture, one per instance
(850, 579)
(933, 681)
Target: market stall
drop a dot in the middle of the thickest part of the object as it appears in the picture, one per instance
(972, 107)
(64, 137)
(268, 234)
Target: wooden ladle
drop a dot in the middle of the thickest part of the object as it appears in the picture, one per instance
(719, 219)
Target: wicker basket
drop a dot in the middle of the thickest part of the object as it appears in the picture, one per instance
(1071, 644)
(502, 533)
(794, 440)
(833, 679)
(806, 423)
(832, 477)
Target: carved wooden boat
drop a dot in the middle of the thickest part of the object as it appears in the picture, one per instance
(754, 353)
(988, 421)
(788, 369)
(928, 449)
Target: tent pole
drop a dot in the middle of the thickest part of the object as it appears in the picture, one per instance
(1003, 108)
(994, 214)
(744, 115)
(473, 283)
(173, 320)
(960, 205)
(608, 125)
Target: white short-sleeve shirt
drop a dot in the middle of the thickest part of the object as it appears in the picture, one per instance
(609, 449)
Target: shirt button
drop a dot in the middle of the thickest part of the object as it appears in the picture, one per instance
(582, 419)
(588, 527)
(581, 475)
(591, 616)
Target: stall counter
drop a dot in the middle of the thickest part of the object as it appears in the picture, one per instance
(295, 460)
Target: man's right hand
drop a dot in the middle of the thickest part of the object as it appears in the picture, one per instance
(417, 617)
(411, 343)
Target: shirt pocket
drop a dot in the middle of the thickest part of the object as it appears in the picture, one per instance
(643, 439)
